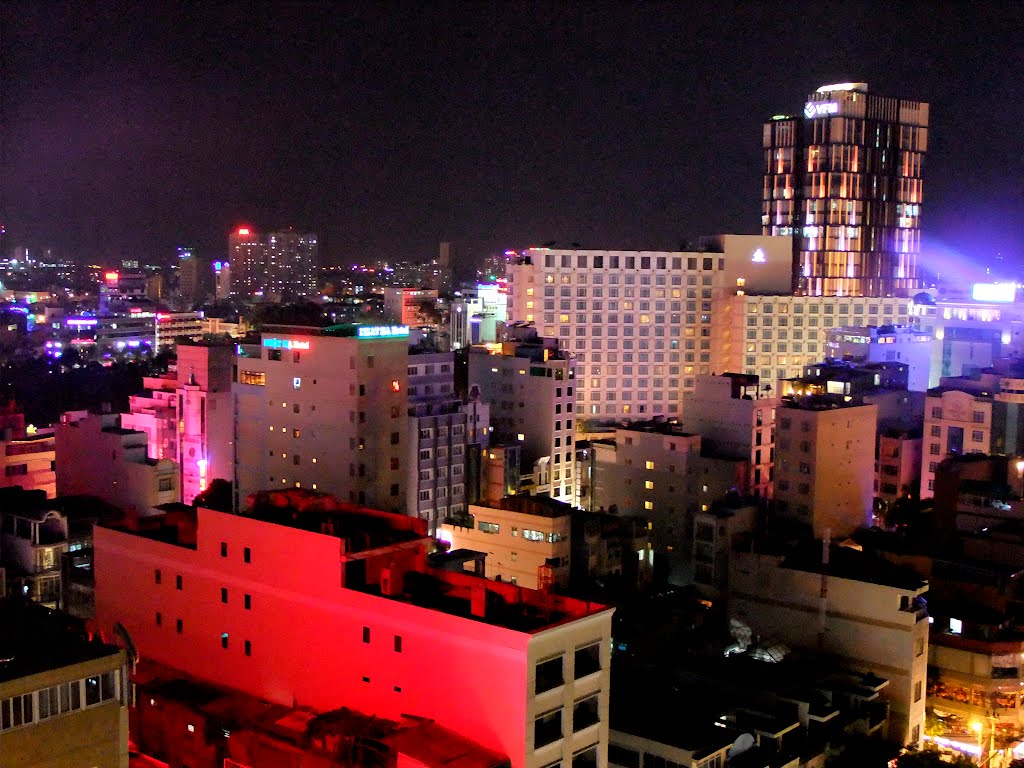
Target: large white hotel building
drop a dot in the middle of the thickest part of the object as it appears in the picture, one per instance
(643, 324)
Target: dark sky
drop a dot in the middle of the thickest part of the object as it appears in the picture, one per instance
(387, 126)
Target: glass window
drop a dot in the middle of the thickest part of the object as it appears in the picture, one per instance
(549, 674)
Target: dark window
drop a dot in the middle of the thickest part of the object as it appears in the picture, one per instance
(398, 689)
(223, 549)
(394, 438)
(549, 675)
(92, 691)
(248, 602)
(587, 758)
(178, 582)
(547, 728)
(159, 619)
(248, 648)
(223, 594)
(366, 679)
(588, 660)
(629, 758)
(223, 639)
(366, 634)
(156, 575)
(584, 713)
(398, 643)
(179, 626)
(247, 555)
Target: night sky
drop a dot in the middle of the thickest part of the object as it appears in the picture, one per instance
(128, 129)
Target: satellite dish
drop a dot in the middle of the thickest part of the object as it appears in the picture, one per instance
(743, 742)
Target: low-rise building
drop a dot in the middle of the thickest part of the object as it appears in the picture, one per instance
(98, 457)
(63, 696)
(526, 539)
(864, 611)
(304, 599)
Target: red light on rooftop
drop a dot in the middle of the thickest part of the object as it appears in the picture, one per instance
(111, 277)
(243, 230)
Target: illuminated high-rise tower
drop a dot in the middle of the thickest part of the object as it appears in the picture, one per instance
(844, 178)
(284, 265)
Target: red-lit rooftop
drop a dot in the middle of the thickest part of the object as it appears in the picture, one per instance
(382, 554)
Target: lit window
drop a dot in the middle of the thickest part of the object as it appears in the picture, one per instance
(955, 626)
(296, 383)
(649, 464)
(520, 437)
(648, 505)
(649, 484)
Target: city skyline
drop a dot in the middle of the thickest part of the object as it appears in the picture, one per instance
(128, 130)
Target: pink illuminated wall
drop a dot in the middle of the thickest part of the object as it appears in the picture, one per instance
(306, 632)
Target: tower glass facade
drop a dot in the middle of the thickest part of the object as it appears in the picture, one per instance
(844, 178)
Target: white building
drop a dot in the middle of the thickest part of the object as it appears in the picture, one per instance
(526, 539)
(324, 409)
(885, 344)
(643, 324)
(478, 316)
(869, 614)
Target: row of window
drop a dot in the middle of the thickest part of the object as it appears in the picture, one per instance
(550, 673)
(600, 260)
(34, 707)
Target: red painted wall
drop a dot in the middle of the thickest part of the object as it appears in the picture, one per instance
(306, 631)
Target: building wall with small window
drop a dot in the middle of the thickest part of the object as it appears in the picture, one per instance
(955, 423)
(825, 466)
(323, 412)
(287, 630)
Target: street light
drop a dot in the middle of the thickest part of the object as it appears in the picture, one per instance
(977, 727)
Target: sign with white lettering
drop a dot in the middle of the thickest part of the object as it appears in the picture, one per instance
(382, 331)
(285, 344)
(820, 109)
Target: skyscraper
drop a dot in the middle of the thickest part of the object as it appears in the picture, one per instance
(283, 265)
(844, 179)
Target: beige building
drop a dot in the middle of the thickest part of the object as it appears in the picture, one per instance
(824, 464)
(657, 471)
(324, 409)
(867, 613)
(96, 456)
(530, 384)
(29, 461)
(526, 539)
(63, 697)
(644, 324)
(735, 417)
(774, 336)
(898, 466)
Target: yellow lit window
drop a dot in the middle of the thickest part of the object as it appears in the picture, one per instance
(529, 305)
(649, 485)
(529, 291)
(645, 318)
(648, 505)
(529, 317)
(563, 318)
(649, 464)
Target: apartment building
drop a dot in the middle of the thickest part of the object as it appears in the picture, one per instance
(526, 539)
(530, 384)
(867, 613)
(96, 456)
(63, 696)
(306, 600)
(324, 409)
(978, 414)
(735, 417)
(825, 463)
(898, 466)
(438, 438)
(658, 471)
